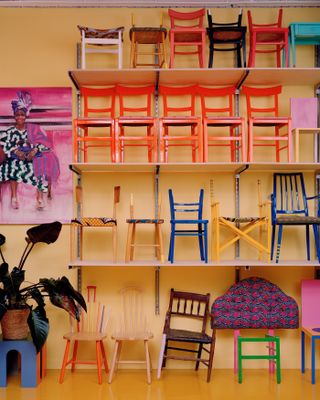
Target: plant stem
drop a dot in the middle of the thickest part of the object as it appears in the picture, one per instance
(25, 256)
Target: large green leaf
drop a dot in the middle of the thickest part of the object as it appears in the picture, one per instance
(39, 327)
(46, 233)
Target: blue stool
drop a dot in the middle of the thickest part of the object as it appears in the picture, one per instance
(30, 362)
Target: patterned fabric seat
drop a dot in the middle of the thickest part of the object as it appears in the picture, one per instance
(255, 303)
(101, 33)
(95, 221)
(298, 220)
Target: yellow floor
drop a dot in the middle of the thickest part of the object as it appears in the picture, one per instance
(174, 385)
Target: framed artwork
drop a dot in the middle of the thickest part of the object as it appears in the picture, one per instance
(49, 130)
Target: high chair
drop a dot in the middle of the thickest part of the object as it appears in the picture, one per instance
(95, 127)
(132, 224)
(91, 328)
(187, 31)
(136, 113)
(177, 115)
(218, 112)
(267, 117)
(84, 222)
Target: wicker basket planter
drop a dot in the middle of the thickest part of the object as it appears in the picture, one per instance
(14, 324)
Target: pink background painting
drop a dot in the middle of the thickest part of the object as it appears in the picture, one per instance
(51, 108)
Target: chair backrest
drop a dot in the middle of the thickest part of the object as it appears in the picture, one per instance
(157, 207)
(212, 24)
(277, 24)
(98, 102)
(135, 100)
(188, 305)
(133, 321)
(225, 95)
(193, 18)
(289, 194)
(271, 92)
(186, 209)
(310, 299)
(171, 97)
(96, 318)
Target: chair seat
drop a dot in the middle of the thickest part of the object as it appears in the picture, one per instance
(297, 220)
(242, 220)
(144, 221)
(101, 33)
(185, 36)
(85, 336)
(137, 120)
(135, 336)
(225, 35)
(271, 37)
(95, 221)
(188, 336)
(94, 122)
(148, 35)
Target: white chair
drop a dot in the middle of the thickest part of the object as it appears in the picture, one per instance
(101, 41)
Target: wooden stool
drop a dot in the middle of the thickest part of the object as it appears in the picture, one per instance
(273, 356)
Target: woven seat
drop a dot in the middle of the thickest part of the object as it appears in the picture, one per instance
(242, 220)
(298, 220)
(95, 221)
(101, 33)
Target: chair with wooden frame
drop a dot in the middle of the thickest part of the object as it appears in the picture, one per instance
(98, 115)
(241, 228)
(191, 227)
(187, 30)
(91, 328)
(83, 222)
(267, 117)
(133, 328)
(132, 224)
(187, 306)
(136, 115)
(105, 41)
(177, 116)
(220, 115)
(152, 41)
(290, 208)
(227, 37)
(272, 37)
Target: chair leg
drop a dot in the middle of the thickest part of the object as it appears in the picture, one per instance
(171, 246)
(114, 361)
(316, 238)
(64, 362)
(308, 242)
(273, 235)
(129, 242)
(211, 355)
(98, 360)
(278, 360)
(279, 243)
(160, 242)
(198, 356)
(104, 357)
(161, 353)
(147, 361)
(74, 355)
(210, 63)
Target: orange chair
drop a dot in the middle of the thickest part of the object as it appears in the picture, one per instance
(187, 30)
(220, 115)
(274, 36)
(170, 96)
(136, 112)
(98, 112)
(281, 141)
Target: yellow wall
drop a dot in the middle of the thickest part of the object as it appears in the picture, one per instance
(38, 47)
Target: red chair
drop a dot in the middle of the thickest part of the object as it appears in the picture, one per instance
(218, 112)
(187, 30)
(136, 112)
(98, 112)
(274, 36)
(281, 141)
(169, 122)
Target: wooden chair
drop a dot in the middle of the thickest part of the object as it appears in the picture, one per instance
(310, 322)
(230, 36)
(91, 328)
(187, 31)
(218, 112)
(105, 41)
(152, 42)
(272, 37)
(95, 127)
(133, 328)
(132, 224)
(267, 117)
(290, 207)
(84, 222)
(136, 115)
(186, 306)
(177, 116)
(242, 228)
(196, 226)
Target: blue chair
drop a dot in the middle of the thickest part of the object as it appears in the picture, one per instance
(290, 207)
(199, 230)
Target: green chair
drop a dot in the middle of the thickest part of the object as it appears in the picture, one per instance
(274, 354)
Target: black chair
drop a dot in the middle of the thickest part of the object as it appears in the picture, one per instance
(183, 306)
(233, 35)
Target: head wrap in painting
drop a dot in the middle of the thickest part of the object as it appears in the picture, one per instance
(24, 102)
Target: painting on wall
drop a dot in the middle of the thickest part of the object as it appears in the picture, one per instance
(35, 152)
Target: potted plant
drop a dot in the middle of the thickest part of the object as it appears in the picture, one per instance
(29, 300)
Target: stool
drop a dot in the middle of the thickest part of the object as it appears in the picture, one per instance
(274, 355)
(32, 364)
